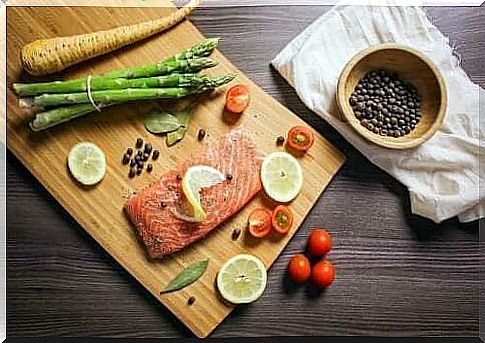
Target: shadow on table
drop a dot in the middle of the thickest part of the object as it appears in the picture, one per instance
(425, 229)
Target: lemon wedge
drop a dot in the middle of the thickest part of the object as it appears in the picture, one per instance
(242, 279)
(282, 176)
(196, 178)
(87, 163)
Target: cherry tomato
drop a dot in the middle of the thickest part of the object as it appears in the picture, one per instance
(259, 222)
(299, 269)
(300, 138)
(323, 274)
(282, 219)
(237, 98)
(319, 243)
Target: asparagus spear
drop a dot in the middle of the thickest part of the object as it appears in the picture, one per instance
(101, 83)
(199, 50)
(163, 68)
(129, 94)
(47, 119)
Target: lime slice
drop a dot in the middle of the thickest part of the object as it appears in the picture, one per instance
(281, 176)
(194, 180)
(242, 279)
(87, 163)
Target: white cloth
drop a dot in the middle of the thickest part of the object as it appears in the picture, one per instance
(442, 175)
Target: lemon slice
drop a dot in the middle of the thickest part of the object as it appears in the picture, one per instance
(242, 279)
(87, 163)
(281, 176)
(194, 180)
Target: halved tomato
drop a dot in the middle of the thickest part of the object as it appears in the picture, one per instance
(282, 219)
(237, 98)
(259, 222)
(300, 138)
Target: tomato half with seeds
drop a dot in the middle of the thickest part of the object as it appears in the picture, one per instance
(259, 222)
(237, 98)
(300, 138)
(282, 219)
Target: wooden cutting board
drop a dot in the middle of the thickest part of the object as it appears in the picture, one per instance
(99, 209)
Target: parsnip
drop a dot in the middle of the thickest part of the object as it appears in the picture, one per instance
(47, 56)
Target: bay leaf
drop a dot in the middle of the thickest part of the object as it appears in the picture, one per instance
(161, 122)
(187, 276)
(176, 136)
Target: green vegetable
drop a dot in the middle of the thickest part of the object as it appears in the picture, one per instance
(47, 119)
(199, 50)
(187, 276)
(101, 83)
(163, 68)
(161, 122)
(124, 95)
(183, 118)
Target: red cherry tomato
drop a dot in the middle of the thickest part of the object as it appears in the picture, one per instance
(319, 243)
(299, 269)
(259, 222)
(237, 98)
(323, 274)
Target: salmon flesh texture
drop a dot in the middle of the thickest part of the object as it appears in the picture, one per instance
(151, 209)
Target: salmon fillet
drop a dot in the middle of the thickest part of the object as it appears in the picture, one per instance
(151, 209)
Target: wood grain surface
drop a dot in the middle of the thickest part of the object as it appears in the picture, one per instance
(397, 274)
(99, 209)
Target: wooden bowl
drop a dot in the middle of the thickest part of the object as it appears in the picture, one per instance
(411, 66)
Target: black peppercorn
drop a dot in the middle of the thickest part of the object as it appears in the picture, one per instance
(132, 172)
(229, 177)
(191, 300)
(139, 143)
(280, 140)
(145, 157)
(162, 204)
(149, 168)
(132, 163)
(129, 151)
(179, 177)
(126, 159)
(201, 134)
(236, 233)
(148, 148)
(155, 155)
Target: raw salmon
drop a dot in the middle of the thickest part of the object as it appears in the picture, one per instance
(152, 209)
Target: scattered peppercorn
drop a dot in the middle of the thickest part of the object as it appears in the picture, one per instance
(139, 153)
(145, 157)
(229, 177)
(139, 143)
(280, 140)
(163, 204)
(236, 233)
(139, 170)
(139, 164)
(129, 151)
(191, 300)
(179, 177)
(201, 134)
(132, 172)
(148, 148)
(132, 163)
(149, 168)
(137, 158)
(155, 155)
(126, 159)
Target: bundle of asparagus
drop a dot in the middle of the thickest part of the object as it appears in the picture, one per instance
(173, 78)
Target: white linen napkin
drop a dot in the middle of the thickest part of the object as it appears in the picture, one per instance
(442, 175)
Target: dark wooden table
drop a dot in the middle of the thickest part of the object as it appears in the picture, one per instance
(397, 274)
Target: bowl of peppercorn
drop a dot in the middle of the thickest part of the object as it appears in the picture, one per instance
(392, 95)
